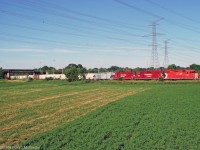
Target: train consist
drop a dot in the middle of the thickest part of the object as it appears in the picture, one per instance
(184, 74)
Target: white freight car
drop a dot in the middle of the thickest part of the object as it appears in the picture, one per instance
(54, 76)
(105, 75)
(91, 76)
(100, 76)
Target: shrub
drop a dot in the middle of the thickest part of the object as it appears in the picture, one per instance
(72, 74)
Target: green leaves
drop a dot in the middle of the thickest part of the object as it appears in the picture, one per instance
(72, 74)
(164, 117)
(1, 73)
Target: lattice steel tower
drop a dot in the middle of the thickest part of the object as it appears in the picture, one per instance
(166, 59)
(154, 55)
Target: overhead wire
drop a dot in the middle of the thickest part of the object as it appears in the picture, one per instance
(178, 24)
(58, 14)
(172, 11)
(62, 25)
(56, 24)
(183, 26)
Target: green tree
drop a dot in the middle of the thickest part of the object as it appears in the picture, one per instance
(172, 66)
(1, 73)
(72, 66)
(80, 66)
(47, 69)
(82, 72)
(58, 71)
(139, 69)
(72, 74)
(195, 67)
(113, 68)
(93, 70)
(102, 70)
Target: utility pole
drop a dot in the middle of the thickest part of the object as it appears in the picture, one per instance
(166, 59)
(98, 74)
(40, 67)
(53, 66)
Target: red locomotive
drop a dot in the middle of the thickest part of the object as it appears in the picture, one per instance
(184, 74)
(181, 74)
(149, 74)
(128, 75)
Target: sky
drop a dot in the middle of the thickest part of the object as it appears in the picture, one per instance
(98, 33)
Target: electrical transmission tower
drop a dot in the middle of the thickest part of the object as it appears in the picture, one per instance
(166, 59)
(154, 54)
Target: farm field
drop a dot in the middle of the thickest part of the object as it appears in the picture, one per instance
(100, 115)
(29, 108)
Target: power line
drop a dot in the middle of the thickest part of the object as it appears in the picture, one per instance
(113, 22)
(36, 41)
(172, 11)
(178, 37)
(138, 9)
(180, 25)
(87, 33)
(56, 24)
(56, 12)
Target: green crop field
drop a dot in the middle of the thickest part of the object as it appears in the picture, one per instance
(29, 108)
(100, 115)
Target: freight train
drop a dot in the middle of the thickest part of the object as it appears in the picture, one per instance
(183, 74)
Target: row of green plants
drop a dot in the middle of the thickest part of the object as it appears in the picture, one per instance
(163, 117)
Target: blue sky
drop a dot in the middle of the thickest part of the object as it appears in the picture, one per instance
(97, 33)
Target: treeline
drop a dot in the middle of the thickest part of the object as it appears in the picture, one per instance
(83, 70)
(75, 70)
